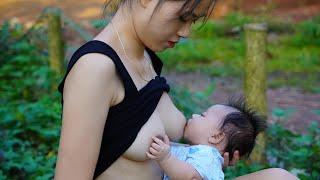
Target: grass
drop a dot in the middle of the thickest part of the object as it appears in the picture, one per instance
(218, 49)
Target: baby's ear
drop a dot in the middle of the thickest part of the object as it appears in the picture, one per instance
(216, 138)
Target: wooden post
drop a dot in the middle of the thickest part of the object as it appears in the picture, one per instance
(255, 79)
(55, 43)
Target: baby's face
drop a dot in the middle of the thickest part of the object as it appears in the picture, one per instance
(200, 127)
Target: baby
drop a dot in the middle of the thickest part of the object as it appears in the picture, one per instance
(221, 128)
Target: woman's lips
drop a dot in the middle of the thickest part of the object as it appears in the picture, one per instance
(171, 44)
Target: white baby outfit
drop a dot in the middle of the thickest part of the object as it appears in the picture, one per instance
(205, 159)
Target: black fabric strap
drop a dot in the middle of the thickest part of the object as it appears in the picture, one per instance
(125, 119)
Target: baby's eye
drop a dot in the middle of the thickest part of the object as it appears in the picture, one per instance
(202, 114)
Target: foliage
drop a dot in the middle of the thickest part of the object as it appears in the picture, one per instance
(30, 119)
(243, 168)
(218, 49)
(308, 33)
(186, 100)
(300, 153)
(8, 33)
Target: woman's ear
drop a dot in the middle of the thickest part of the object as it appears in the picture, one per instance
(216, 138)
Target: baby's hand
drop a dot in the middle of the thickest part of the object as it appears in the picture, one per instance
(159, 150)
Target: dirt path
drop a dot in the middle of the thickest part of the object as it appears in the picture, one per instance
(28, 10)
(298, 108)
(287, 10)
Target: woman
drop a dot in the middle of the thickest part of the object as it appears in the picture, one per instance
(114, 99)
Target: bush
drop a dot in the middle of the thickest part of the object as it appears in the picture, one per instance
(308, 33)
(30, 119)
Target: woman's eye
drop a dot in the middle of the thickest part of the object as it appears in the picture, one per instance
(182, 19)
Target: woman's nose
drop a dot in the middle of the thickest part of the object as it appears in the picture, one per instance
(185, 30)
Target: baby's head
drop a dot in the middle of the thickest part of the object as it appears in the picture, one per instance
(228, 127)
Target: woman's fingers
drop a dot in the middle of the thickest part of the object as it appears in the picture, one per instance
(235, 158)
(226, 159)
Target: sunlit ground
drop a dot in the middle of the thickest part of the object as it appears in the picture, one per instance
(28, 10)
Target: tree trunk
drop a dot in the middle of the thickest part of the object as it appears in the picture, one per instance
(255, 79)
(55, 43)
(56, 46)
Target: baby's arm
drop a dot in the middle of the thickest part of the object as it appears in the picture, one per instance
(172, 166)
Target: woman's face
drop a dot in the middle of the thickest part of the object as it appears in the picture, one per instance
(165, 27)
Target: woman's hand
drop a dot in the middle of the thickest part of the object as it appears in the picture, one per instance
(159, 150)
(227, 161)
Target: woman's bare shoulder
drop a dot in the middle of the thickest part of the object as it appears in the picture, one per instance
(97, 62)
(93, 67)
(88, 94)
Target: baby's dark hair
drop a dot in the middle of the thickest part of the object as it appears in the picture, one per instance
(242, 128)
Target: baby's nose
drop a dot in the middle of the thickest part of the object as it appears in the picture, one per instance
(195, 115)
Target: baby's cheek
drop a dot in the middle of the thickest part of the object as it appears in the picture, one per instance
(193, 132)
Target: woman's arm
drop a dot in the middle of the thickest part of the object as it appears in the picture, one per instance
(88, 94)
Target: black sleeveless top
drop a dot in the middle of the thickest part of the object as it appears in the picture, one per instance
(125, 119)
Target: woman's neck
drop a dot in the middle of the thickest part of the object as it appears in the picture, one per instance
(123, 23)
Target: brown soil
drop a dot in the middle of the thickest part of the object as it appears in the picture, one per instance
(28, 10)
(287, 10)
